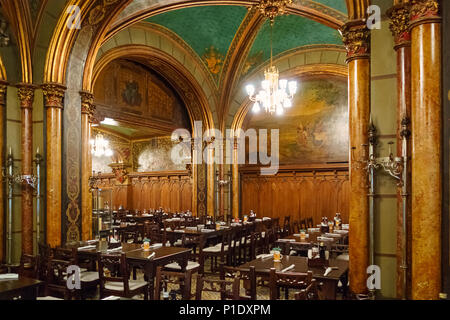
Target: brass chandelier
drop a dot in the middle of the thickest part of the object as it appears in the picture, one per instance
(276, 94)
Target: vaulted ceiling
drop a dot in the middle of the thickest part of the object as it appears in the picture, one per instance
(210, 31)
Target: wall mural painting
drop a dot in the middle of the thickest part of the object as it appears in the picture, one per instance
(155, 155)
(129, 91)
(315, 129)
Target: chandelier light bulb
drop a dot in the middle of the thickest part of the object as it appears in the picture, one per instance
(292, 87)
(256, 108)
(250, 90)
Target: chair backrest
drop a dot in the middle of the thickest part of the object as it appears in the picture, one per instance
(310, 293)
(113, 268)
(226, 288)
(287, 280)
(154, 233)
(303, 224)
(29, 266)
(287, 225)
(66, 254)
(296, 226)
(310, 222)
(55, 281)
(164, 278)
(245, 274)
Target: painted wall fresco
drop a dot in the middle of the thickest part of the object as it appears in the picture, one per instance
(315, 129)
(155, 155)
(128, 91)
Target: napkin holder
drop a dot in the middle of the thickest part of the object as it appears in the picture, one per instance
(318, 263)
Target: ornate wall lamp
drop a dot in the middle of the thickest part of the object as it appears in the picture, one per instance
(396, 167)
(12, 177)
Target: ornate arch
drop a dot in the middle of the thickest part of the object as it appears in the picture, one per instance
(172, 70)
(357, 9)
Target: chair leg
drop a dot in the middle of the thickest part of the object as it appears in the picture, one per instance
(145, 294)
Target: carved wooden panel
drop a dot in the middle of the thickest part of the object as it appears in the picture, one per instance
(299, 192)
(170, 190)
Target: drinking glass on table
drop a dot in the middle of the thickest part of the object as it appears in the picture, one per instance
(302, 235)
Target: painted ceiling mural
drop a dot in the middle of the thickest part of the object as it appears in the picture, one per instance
(210, 30)
(315, 129)
(129, 92)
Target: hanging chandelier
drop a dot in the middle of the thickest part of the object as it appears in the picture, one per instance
(275, 94)
(100, 146)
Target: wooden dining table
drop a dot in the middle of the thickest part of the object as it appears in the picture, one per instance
(22, 288)
(138, 257)
(329, 283)
(287, 242)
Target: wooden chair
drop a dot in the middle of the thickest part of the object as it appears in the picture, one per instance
(286, 226)
(182, 280)
(56, 279)
(290, 280)
(114, 278)
(248, 276)
(296, 226)
(29, 266)
(309, 293)
(228, 289)
(220, 250)
(89, 279)
(303, 225)
(310, 222)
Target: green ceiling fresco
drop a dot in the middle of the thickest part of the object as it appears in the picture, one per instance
(339, 5)
(291, 32)
(203, 27)
(210, 30)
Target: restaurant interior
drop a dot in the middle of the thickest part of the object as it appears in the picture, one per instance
(224, 150)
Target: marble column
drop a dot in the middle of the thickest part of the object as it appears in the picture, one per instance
(54, 104)
(426, 125)
(87, 113)
(356, 38)
(26, 97)
(399, 15)
(210, 206)
(235, 179)
(3, 89)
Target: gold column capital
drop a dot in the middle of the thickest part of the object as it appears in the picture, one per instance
(54, 95)
(356, 39)
(399, 24)
(87, 104)
(3, 89)
(424, 11)
(26, 94)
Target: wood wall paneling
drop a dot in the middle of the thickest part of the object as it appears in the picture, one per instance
(151, 190)
(298, 192)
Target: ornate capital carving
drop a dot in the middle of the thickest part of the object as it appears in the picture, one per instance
(26, 95)
(399, 24)
(87, 104)
(53, 95)
(424, 11)
(3, 89)
(356, 38)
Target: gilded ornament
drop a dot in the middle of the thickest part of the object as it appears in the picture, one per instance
(214, 59)
(356, 39)
(399, 23)
(424, 8)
